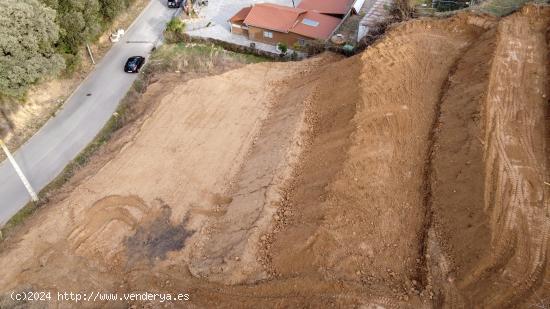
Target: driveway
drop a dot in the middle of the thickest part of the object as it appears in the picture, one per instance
(83, 115)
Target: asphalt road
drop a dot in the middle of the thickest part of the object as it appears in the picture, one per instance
(63, 137)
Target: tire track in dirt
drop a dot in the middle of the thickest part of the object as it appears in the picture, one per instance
(516, 163)
(108, 210)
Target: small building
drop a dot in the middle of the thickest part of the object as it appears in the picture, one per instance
(237, 20)
(335, 8)
(272, 24)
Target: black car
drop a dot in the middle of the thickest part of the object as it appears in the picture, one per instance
(175, 3)
(134, 64)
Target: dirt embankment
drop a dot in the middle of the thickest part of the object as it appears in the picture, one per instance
(360, 205)
(412, 175)
(460, 230)
(516, 192)
(487, 245)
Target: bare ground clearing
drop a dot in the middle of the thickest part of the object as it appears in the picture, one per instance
(413, 175)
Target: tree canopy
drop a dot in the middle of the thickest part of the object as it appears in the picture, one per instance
(28, 34)
(37, 35)
(80, 21)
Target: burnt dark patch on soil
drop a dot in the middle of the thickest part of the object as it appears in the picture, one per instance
(154, 239)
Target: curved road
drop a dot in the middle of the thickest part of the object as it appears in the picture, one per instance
(63, 137)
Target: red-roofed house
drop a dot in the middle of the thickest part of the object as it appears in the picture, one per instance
(336, 8)
(272, 24)
(315, 25)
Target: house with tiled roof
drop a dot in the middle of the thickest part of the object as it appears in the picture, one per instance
(272, 24)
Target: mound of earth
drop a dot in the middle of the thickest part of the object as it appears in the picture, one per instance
(412, 175)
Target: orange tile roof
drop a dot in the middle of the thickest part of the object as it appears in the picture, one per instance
(315, 25)
(273, 17)
(287, 19)
(338, 7)
(241, 15)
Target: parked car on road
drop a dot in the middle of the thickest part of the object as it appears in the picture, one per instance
(133, 64)
(175, 3)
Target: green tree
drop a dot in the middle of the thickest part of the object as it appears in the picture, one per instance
(111, 8)
(79, 20)
(28, 33)
(82, 21)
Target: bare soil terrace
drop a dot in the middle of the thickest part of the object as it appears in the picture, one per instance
(413, 175)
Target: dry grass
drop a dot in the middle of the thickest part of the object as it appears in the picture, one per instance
(197, 58)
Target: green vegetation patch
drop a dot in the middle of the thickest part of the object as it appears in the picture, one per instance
(197, 58)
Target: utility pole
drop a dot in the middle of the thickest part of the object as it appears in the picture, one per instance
(19, 172)
(90, 53)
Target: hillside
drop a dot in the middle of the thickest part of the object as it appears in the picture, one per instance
(412, 175)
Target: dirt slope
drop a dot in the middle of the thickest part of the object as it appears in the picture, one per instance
(413, 175)
(516, 162)
(373, 180)
(460, 233)
(182, 156)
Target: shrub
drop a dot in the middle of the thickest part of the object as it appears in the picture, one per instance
(111, 9)
(401, 10)
(79, 20)
(282, 47)
(82, 21)
(314, 47)
(175, 25)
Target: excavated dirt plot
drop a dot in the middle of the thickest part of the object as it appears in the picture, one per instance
(412, 175)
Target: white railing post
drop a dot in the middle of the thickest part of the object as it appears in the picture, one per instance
(19, 172)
